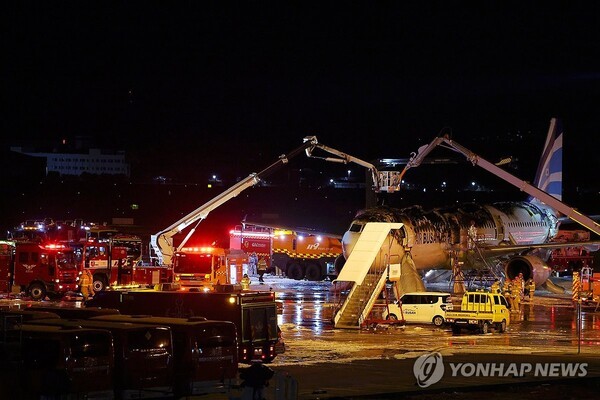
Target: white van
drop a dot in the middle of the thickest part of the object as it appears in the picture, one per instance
(421, 307)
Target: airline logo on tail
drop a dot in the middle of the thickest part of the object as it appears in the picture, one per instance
(549, 172)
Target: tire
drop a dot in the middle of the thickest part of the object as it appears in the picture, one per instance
(37, 291)
(295, 271)
(313, 272)
(339, 262)
(392, 317)
(100, 283)
(438, 320)
(485, 328)
(455, 329)
(502, 326)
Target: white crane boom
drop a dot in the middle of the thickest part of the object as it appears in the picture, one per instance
(162, 242)
(526, 187)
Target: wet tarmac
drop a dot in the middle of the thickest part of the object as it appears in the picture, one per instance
(330, 363)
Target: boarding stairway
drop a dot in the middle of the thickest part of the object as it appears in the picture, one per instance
(368, 268)
(482, 277)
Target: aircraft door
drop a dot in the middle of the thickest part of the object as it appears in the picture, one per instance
(500, 234)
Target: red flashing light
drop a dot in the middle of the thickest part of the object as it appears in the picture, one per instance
(198, 249)
(54, 246)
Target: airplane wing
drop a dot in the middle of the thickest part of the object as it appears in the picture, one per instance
(592, 245)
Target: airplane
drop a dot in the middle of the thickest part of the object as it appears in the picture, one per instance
(516, 235)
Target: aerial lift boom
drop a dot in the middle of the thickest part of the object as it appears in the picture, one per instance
(549, 200)
(162, 242)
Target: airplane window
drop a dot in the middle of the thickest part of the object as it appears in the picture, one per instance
(355, 228)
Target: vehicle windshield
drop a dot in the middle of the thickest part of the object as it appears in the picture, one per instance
(149, 340)
(91, 345)
(193, 263)
(65, 260)
(134, 248)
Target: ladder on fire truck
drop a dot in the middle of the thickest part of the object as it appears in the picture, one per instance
(367, 268)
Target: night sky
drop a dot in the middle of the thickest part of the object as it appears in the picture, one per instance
(205, 86)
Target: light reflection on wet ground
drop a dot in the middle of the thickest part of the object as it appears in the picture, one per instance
(548, 325)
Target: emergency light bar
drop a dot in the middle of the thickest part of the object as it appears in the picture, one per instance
(198, 249)
(250, 234)
(55, 247)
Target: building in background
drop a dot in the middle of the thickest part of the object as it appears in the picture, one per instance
(95, 162)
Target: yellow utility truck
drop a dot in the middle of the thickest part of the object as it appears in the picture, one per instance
(479, 311)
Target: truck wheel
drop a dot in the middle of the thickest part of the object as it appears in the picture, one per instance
(100, 283)
(338, 263)
(485, 328)
(438, 320)
(455, 329)
(313, 272)
(392, 317)
(502, 326)
(37, 291)
(295, 271)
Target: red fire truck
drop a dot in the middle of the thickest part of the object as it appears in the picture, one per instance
(48, 230)
(116, 260)
(565, 260)
(253, 313)
(37, 269)
(205, 267)
(297, 255)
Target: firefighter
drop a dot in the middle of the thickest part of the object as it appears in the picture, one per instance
(262, 268)
(506, 286)
(521, 286)
(86, 284)
(245, 282)
(495, 286)
(531, 287)
(253, 262)
(516, 296)
(507, 290)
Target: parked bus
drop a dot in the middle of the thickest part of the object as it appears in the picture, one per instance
(73, 312)
(253, 313)
(143, 355)
(47, 361)
(204, 352)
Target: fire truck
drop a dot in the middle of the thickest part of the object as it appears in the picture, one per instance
(38, 269)
(206, 267)
(565, 260)
(116, 260)
(48, 230)
(297, 255)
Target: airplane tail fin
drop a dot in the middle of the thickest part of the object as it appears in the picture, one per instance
(549, 173)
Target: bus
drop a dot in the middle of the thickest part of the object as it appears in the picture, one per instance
(204, 352)
(47, 361)
(254, 313)
(143, 354)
